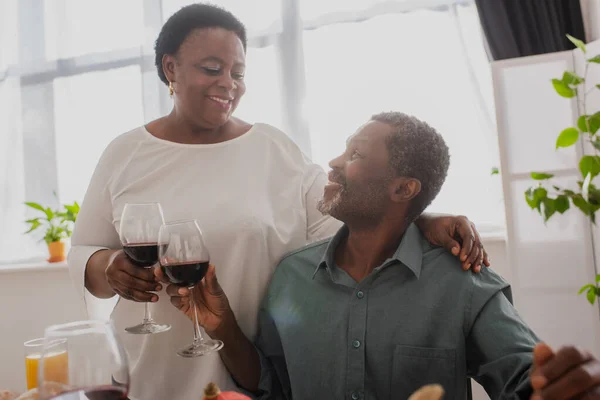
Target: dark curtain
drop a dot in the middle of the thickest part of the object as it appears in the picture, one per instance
(518, 28)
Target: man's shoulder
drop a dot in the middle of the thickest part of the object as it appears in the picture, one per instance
(301, 262)
(439, 264)
(305, 257)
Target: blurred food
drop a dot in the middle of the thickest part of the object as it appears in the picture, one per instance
(428, 392)
(212, 392)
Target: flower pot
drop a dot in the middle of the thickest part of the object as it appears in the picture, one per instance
(56, 251)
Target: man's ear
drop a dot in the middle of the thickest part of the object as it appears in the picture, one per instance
(405, 189)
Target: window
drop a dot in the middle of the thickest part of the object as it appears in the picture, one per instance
(398, 62)
(85, 128)
(74, 28)
(75, 64)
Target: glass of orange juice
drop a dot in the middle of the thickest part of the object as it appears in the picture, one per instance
(56, 365)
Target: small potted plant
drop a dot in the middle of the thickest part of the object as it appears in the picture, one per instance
(58, 224)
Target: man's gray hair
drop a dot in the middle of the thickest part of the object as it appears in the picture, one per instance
(417, 151)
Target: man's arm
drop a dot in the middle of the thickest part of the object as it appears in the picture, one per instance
(262, 371)
(499, 348)
(259, 371)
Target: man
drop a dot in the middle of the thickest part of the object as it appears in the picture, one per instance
(376, 312)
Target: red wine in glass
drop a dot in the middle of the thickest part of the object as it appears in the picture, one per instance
(142, 254)
(186, 274)
(138, 231)
(183, 257)
(97, 393)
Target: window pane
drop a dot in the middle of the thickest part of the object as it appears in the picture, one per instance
(90, 110)
(262, 101)
(13, 244)
(9, 38)
(397, 62)
(257, 16)
(75, 27)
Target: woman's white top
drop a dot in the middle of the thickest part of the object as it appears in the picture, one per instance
(255, 200)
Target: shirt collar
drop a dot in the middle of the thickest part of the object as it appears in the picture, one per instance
(408, 253)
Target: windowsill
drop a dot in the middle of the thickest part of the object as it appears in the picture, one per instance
(40, 266)
(491, 236)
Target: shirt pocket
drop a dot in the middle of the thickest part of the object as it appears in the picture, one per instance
(414, 367)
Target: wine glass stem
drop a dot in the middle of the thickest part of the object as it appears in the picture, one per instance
(147, 314)
(197, 334)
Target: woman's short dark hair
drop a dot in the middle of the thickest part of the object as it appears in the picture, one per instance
(187, 19)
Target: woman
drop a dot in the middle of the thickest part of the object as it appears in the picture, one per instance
(249, 186)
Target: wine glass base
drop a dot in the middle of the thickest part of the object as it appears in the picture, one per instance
(201, 348)
(148, 328)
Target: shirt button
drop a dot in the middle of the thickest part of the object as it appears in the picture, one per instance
(355, 396)
(360, 294)
(356, 344)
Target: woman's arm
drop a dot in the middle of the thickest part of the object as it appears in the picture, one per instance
(94, 234)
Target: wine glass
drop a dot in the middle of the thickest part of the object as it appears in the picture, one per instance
(184, 259)
(97, 363)
(138, 231)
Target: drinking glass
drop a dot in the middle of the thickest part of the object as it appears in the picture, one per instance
(97, 363)
(138, 232)
(184, 259)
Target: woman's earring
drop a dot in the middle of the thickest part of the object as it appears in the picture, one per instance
(171, 90)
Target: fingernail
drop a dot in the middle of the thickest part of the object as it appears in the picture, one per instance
(455, 251)
(468, 266)
(158, 288)
(463, 257)
(181, 291)
(154, 299)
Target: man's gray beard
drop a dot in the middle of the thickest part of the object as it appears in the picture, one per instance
(325, 207)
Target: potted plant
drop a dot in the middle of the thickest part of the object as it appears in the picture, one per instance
(58, 224)
(547, 198)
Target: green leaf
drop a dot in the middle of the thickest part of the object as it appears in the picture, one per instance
(595, 59)
(35, 223)
(598, 278)
(594, 122)
(598, 86)
(563, 89)
(35, 205)
(49, 213)
(549, 208)
(495, 171)
(580, 45)
(534, 197)
(586, 287)
(572, 79)
(589, 123)
(591, 295)
(540, 176)
(589, 165)
(582, 123)
(585, 207)
(596, 143)
(562, 204)
(567, 138)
